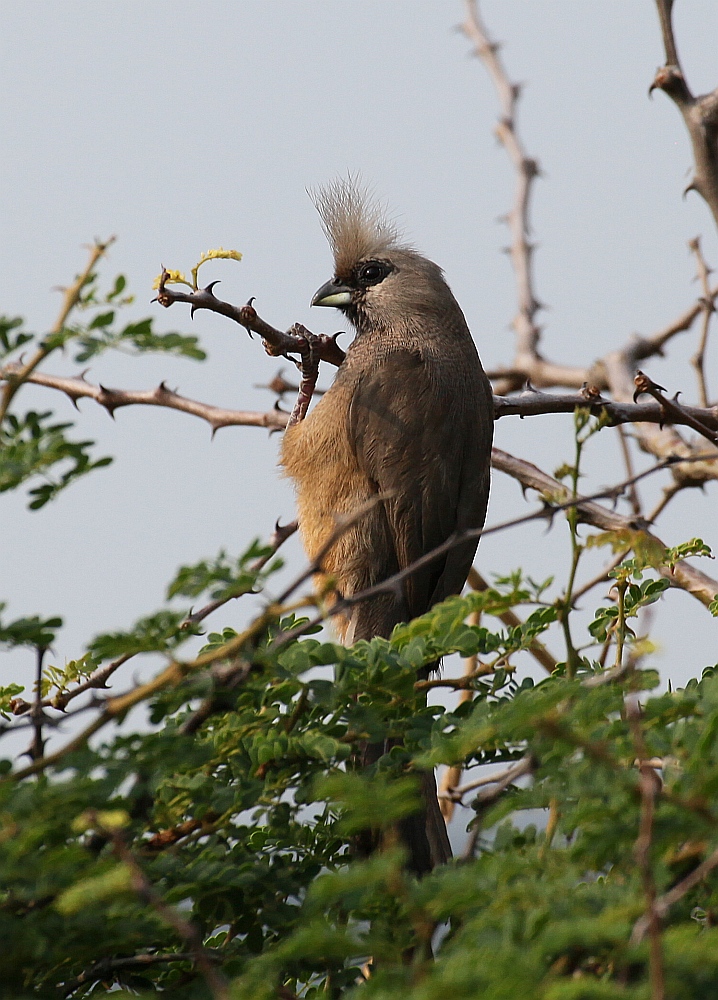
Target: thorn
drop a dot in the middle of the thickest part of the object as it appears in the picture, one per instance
(691, 187)
(251, 300)
(193, 310)
(209, 290)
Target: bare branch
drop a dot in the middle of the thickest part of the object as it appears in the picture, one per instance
(700, 114)
(687, 577)
(532, 403)
(529, 403)
(526, 169)
(698, 359)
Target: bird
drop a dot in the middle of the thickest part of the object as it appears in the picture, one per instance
(403, 435)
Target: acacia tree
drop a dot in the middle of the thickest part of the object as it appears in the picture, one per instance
(211, 856)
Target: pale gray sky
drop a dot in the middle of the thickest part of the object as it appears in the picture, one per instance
(189, 125)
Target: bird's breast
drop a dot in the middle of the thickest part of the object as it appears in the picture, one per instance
(317, 455)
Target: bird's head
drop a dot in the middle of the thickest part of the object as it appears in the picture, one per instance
(379, 280)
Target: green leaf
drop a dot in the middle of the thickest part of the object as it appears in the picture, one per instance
(90, 891)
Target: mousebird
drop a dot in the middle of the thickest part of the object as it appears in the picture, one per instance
(408, 423)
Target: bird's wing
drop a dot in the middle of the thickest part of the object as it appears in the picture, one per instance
(423, 438)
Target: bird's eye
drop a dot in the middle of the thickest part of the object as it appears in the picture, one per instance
(372, 272)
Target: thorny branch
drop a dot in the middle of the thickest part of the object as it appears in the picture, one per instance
(278, 537)
(529, 403)
(275, 341)
(616, 370)
(700, 114)
(556, 497)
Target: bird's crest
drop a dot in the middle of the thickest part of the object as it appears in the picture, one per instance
(355, 222)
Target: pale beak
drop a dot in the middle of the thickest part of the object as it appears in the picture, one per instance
(333, 293)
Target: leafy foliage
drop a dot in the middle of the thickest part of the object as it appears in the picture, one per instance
(214, 852)
(33, 446)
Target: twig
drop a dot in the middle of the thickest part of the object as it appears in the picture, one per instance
(71, 298)
(97, 680)
(668, 493)
(532, 403)
(698, 359)
(309, 348)
(681, 575)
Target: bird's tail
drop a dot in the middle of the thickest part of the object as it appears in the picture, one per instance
(423, 833)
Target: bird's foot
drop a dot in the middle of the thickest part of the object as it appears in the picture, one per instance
(309, 347)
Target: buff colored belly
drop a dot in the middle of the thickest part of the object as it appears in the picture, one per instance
(317, 456)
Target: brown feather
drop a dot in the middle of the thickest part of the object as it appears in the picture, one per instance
(356, 225)
(408, 419)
